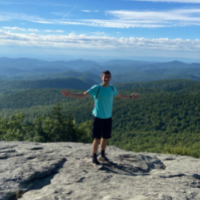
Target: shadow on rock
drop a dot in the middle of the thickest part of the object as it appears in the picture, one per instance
(133, 165)
(39, 183)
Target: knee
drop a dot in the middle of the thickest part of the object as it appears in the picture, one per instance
(97, 140)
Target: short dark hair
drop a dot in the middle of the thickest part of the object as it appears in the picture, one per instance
(106, 72)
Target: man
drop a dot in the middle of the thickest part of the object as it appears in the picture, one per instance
(102, 114)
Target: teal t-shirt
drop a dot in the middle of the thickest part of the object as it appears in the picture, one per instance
(104, 102)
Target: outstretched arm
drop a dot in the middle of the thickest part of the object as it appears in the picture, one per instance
(67, 93)
(132, 96)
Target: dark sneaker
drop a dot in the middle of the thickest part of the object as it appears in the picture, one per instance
(97, 164)
(103, 159)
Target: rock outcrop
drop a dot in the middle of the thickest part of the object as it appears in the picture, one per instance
(63, 171)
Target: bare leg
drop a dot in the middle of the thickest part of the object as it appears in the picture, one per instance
(95, 145)
(103, 143)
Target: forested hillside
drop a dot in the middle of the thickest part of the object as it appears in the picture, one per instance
(70, 82)
(167, 113)
(166, 85)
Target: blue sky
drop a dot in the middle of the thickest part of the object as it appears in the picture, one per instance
(106, 29)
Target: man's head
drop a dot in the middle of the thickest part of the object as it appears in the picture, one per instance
(106, 77)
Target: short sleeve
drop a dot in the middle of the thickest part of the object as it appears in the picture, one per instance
(93, 90)
(115, 93)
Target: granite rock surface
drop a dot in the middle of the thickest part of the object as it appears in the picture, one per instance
(63, 171)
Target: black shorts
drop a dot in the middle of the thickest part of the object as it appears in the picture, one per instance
(101, 128)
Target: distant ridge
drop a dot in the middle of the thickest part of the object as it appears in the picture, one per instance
(121, 70)
(28, 63)
(69, 82)
(125, 62)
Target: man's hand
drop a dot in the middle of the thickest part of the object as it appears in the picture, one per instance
(135, 96)
(65, 93)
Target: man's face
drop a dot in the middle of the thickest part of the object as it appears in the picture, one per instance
(106, 79)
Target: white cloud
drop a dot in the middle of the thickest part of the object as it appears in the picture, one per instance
(14, 28)
(19, 16)
(88, 11)
(148, 19)
(84, 41)
(47, 3)
(21, 29)
(171, 1)
(33, 30)
(123, 19)
(156, 16)
(54, 31)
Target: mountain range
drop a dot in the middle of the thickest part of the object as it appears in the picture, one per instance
(122, 70)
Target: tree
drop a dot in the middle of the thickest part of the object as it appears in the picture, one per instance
(40, 134)
(60, 126)
(84, 131)
(15, 128)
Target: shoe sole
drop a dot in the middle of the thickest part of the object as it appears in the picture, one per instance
(101, 160)
(99, 167)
